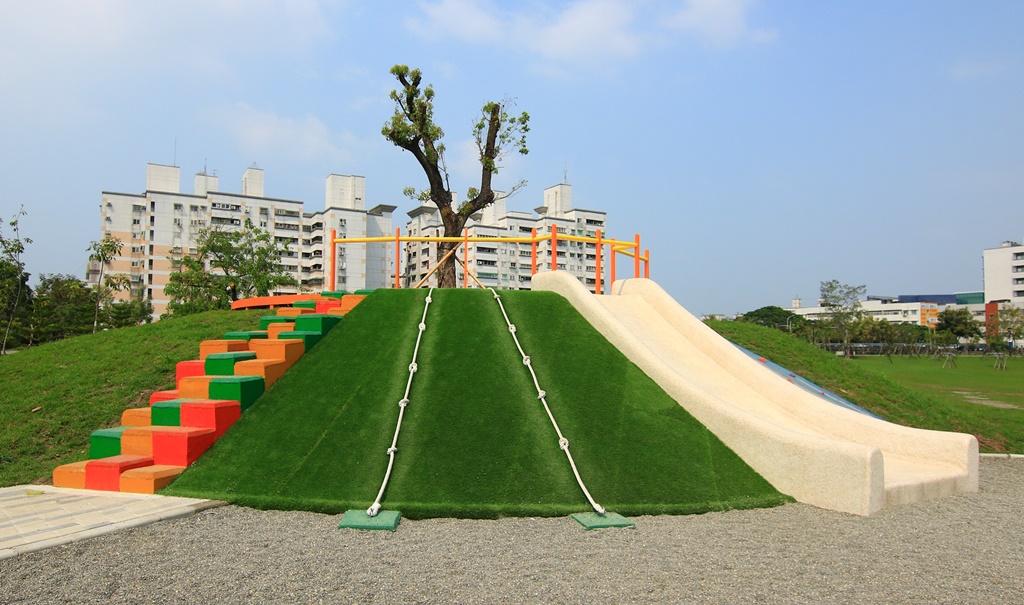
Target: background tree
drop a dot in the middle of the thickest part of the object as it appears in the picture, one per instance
(61, 308)
(103, 252)
(960, 324)
(842, 308)
(228, 265)
(412, 128)
(14, 290)
(1011, 324)
(774, 317)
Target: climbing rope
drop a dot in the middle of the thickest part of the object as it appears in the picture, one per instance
(563, 443)
(375, 507)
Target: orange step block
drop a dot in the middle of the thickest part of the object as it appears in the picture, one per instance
(138, 440)
(149, 479)
(216, 414)
(288, 349)
(163, 396)
(282, 326)
(349, 302)
(105, 473)
(195, 387)
(192, 367)
(70, 475)
(270, 369)
(221, 346)
(292, 311)
(180, 445)
(137, 417)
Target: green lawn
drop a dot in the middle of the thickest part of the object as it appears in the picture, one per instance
(978, 392)
(475, 441)
(53, 396)
(915, 392)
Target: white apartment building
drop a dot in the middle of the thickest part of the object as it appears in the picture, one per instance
(883, 309)
(505, 265)
(162, 224)
(1004, 273)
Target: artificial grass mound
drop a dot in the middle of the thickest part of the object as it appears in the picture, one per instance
(475, 440)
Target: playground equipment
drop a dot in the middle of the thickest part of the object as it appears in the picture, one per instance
(816, 452)
(641, 258)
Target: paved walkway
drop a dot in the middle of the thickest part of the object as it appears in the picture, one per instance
(34, 517)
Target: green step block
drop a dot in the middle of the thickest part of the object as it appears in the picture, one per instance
(334, 293)
(364, 292)
(266, 320)
(309, 338)
(246, 336)
(243, 389)
(223, 364)
(305, 304)
(106, 442)
(316, 322)
(166, 413)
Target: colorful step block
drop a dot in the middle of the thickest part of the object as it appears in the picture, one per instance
(106, 442)
(216, 414)
(334, 293)
(208, 347)
(247, 336)
(350, 301)
(286, 312)
(149, 479)
(289, 349)
(138, 440)
(243, 389)
(192, 367)
(223, 364)
(105, 474)
(267, 320)
(196, 387)
(316, 322)
(274, 330)
(166, 413)
(309, 339)
(163, 396)
(137, 417)
(70, 475)
(364, 292)
(180, 445)
(271, 370)
(323, 306)
(305, 304)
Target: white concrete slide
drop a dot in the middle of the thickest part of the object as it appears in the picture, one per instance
(815, 451)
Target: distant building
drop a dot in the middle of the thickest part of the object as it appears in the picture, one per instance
(506, 265)
(161, 224)
(1004, 273)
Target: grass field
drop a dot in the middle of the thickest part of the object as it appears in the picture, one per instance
(974, 389)
(475, 441)
(53, 396)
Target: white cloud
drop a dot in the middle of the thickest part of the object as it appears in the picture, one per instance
(721, 23)
(260, 133)
(964, 69)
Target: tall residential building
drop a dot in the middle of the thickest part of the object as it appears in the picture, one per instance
(1004, 273)
(509, 265)
(162, 224)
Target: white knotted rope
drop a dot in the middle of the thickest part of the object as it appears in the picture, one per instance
(563, 443)
(375, 507)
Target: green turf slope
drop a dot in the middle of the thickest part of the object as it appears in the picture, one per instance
(475, 441)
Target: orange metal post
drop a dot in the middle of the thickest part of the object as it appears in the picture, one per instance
(611, 269)
(465, 258)
(598, 269)
(554, 247)
(533, 248)
(647, 264)
(398, 257)
(334, 259)
(636, 256)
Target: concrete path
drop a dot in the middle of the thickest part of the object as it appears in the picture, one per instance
(34, 517)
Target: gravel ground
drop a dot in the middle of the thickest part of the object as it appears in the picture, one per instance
(961, 549)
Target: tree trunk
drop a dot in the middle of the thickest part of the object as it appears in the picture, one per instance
(454, 223)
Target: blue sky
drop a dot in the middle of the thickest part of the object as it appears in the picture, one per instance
(758, 147)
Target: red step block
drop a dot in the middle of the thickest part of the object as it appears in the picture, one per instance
(180, 445)
(163, 396)
(105, 473)
(216, 414)
(192, 367)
